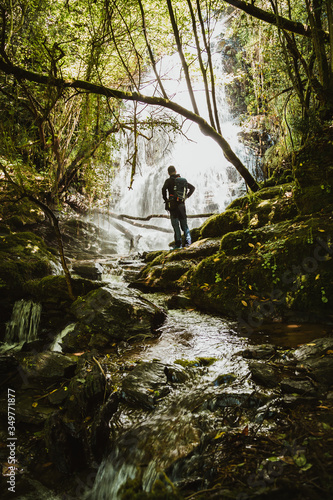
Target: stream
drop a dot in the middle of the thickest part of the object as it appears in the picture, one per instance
(166, 439)
(203, 387)
(180, 391)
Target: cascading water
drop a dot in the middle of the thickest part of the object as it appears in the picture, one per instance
(24, 323)
(153, 442)
(196, 157)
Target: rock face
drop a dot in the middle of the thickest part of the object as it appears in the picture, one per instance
(260, 260)
(23, 256)
(47, 365)
(112, 313)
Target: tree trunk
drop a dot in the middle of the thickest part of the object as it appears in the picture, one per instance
(207, 129)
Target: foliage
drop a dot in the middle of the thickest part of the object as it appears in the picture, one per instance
(289, 73)
(65, 137)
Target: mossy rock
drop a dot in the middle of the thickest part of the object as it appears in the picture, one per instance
(23, 256)
(195, 234)
(220, 224)
(150, 256)
(250, 240)
(288, 274)
(270, 192)
(17, 215)
(54, 289)
(238, 242)
(238, 203)
(316, 198)
(162, 276)
(313, 164)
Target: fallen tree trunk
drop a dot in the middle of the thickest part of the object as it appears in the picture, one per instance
(163, 216)
(130, 219)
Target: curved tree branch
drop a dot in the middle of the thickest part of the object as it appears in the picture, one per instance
(279, 21)
(205, 128)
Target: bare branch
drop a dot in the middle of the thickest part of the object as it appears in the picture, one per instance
(205, 128)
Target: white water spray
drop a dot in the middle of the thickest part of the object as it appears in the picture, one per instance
(24, 323)
(196, 157)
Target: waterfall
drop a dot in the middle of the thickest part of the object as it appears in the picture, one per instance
(24, 323)
(196, 157)
(56, 345)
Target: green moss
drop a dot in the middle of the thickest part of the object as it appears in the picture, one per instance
(286, 258)
(316, 198)
(195, 234)
(151, 256)
(23, 256)
(238, 242)
(220, 224)
(54, 288)
(238, 203)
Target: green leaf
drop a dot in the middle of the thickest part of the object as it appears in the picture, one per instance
(300, 460)
(306, 467)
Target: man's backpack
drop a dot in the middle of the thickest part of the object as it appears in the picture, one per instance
(177, 194)
(180, 189)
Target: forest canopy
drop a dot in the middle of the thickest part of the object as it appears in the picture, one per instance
(68, 67)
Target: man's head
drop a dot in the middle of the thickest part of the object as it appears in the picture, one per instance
(171, 170)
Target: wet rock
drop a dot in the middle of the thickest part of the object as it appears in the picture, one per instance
(199, 249)
(130, 269)
(116, 313)
(28, 489)
(91, 271)
(50, 366)
(292, 400)
(317, 347)
(8, 363)
(321, 369)
(145, 384)
(58, 397)
(266, 412)
(302, 387)
(224, 379)
(65, 442)
(100, 429)
(180, 301)
(86, 391)
(263, 374)
(259, 352)
(176, 375)
(30, 409)
(230, 399)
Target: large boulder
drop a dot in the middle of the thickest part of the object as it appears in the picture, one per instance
(166, 270)
(23, 256)
(112, 313)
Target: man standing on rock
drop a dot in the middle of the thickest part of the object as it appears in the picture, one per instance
(175, 191)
